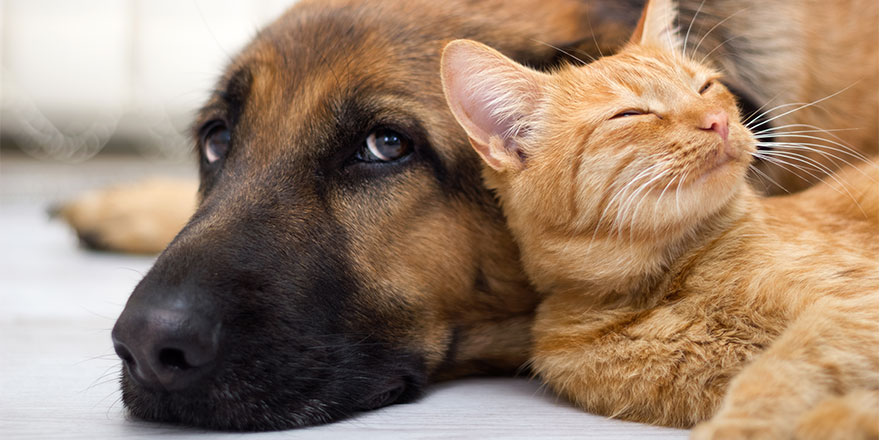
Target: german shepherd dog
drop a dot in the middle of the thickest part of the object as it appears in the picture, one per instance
(344, 252)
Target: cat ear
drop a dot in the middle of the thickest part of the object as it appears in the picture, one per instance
(657, 26)
(490, 96)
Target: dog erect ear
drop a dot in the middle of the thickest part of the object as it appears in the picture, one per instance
(491, 97)
(657, 26)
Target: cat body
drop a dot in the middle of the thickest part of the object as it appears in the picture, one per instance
(666, 352)
(673, 292)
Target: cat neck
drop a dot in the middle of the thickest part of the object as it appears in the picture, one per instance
(617, 269)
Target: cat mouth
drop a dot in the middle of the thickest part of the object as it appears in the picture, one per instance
(719, 159)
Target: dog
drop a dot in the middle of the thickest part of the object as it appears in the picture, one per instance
(344, 253)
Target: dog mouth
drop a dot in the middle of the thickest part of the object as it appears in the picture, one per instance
(262, 381)
(246, 407)
(392, 392)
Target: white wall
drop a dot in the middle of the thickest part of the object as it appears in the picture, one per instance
(73, 73)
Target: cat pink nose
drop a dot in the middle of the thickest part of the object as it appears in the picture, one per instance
(716, 121)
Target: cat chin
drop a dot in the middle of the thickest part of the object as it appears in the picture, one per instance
(718, 186)
(722, 173)
(711, 191)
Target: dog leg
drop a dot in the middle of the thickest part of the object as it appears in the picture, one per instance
(136, 218)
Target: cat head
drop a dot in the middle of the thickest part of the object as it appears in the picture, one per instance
(639, 142)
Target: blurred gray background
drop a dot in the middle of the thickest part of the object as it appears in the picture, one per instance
(78, 77)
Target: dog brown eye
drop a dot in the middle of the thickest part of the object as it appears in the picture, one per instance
(706, 87)
(384, 146)
(215, 141)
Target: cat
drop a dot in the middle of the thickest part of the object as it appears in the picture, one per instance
(673, 293)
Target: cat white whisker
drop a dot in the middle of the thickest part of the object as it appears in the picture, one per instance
(647, 190)
(659, 199)
(563, 51)
(815, 148)
(788, 146)
(813, 129)
(678, 192)
(844, 149)
(749, 121)
(605, 211)
(817, 165)
(688, 33)
(593, 34)
(694, 52)
(781, 156)
(803, 106)
(703, 60)
(762, 175)
(670, 30)
(786, 165)
(580, 52)
(766, 103)
(622, 192)
(622, 211)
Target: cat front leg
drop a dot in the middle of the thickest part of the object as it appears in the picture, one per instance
(667, 366)
(829, 351)
(852, 416)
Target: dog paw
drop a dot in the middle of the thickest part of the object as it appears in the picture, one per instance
(735, 429)
(137, 218)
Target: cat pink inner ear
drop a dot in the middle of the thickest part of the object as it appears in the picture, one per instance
(489, 94)
(657, 27)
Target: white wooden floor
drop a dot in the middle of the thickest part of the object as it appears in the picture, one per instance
(58, 373)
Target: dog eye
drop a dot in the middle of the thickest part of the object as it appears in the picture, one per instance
(215, 141)
(630, 112)
(384, 146)
(706, 86)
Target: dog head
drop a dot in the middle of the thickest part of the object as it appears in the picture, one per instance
(344, 252)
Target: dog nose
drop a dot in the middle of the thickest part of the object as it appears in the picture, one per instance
(716, 121)
(168, 348)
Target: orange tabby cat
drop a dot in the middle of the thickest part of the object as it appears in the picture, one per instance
(674, 293)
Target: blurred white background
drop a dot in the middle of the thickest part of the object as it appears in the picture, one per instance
(76, 75)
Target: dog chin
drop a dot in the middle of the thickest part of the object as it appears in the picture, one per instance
(222, 410)
(218, 407)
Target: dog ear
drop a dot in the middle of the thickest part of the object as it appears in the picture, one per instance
(657, 26)
(491, 96)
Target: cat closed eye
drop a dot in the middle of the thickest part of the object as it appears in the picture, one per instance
(630, 112)
(706, 86)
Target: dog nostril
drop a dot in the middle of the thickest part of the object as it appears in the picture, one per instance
(174, 358)
(124, 354)
(166, 348)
